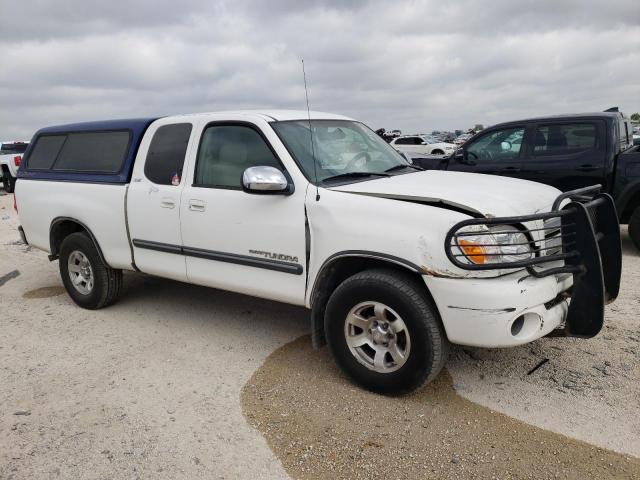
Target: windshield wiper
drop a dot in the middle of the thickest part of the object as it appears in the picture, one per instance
(398, 167)
(356, 175)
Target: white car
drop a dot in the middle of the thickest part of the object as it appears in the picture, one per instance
(393, 263)
(416, 145)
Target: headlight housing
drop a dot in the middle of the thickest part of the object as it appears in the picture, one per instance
(483, 245)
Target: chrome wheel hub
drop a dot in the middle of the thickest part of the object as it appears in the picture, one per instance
(80, 272)
(377, 337)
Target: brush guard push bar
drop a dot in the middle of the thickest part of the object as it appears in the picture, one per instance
(581, 239)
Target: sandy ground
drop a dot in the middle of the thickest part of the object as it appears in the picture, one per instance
(151, 387)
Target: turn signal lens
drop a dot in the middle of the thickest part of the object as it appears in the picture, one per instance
(474, 252)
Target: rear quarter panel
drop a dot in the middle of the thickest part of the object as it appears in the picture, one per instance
(100, 207)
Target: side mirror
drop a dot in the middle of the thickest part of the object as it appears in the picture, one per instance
(265, 180)
(458, 156)
(505, 146)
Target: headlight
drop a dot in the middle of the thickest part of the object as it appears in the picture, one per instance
(494, 244)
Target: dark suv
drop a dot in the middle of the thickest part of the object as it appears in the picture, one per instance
(568, 152)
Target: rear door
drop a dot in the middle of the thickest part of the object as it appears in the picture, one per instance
(153, 199)
(566, 154)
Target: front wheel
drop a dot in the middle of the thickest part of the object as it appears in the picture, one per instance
(634, 227)
(88, 280)
(384, 332)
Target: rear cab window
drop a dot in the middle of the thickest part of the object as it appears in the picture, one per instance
(13, 148)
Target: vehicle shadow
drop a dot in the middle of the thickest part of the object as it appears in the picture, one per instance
(148, 295)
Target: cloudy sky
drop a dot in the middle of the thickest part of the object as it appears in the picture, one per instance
(414, 65)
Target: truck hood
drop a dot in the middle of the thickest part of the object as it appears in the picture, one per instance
(475, 194)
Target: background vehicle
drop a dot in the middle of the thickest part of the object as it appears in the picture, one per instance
(422, 145)
(567, 152)
(10, 158)
(317, 210)
(461, 139)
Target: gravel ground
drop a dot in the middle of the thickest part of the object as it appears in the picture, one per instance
(148, 388)
(151, 388)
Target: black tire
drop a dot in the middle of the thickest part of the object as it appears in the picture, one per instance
(8, 182)
(107, 282)
(406, 296)
(437, 152)
(634, 227)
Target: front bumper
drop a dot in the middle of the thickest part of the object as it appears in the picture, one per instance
(566, 283)
(487, 312)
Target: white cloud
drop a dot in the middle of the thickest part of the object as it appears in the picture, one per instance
(416, 65)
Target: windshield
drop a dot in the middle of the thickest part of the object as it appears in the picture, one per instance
(341, 148)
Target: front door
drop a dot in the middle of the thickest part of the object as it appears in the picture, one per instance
(153, 200)
(238, 241)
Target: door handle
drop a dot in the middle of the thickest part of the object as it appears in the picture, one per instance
(510, 169)
(197, 205)
(586, 168)
(167, 202)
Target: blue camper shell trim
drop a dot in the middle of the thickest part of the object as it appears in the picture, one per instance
(135, 126)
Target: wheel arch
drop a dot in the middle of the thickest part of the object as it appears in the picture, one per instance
(62, 227)
(340, 266)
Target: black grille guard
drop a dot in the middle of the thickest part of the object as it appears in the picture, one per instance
(586, 237)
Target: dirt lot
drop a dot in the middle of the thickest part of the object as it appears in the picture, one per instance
(153, 388)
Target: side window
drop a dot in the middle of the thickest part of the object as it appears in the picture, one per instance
(45, 151)
(404, 141)
(102, 152)
(167, 150)
(564, 139)
(503, 145)
(226, 151)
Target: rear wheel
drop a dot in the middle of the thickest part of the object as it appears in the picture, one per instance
(89, 281)
(384, 332)
(8, 182)
(634, 227)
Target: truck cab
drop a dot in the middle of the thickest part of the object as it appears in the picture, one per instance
(564, 151)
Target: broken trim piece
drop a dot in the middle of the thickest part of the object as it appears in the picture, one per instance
(428, 201)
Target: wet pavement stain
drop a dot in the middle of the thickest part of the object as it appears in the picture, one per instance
(44, 292)
(322, 426)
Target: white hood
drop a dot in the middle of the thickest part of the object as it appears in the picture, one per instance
(487, 195)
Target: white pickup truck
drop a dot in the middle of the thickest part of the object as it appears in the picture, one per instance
(394, 263)
(10, 158)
